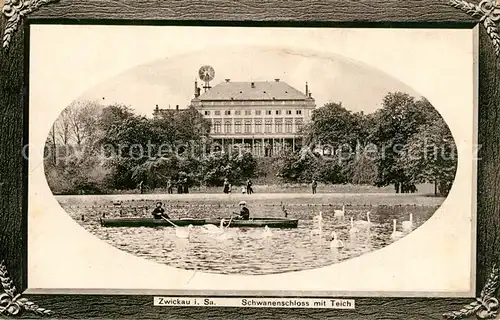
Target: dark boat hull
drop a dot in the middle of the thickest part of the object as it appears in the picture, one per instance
(150, 222)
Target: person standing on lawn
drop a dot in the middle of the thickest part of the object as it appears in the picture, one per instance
(314, 185)
(249, 187)
(179, 186)
(169, 187)
(226, 185)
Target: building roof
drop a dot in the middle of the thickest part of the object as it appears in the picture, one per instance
(263, 90)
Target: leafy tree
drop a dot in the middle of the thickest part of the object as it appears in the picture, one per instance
(220, 165)
(399, 119)
(431, 156)
(334, 125)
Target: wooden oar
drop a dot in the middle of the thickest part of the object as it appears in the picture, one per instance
(229, 222)
(169, 222)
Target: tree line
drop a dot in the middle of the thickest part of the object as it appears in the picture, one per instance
(99, 149)
(404, 143)
(94, 149)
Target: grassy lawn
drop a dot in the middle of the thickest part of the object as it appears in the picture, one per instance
(423, 189)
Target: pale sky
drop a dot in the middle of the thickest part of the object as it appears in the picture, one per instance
(170, 81)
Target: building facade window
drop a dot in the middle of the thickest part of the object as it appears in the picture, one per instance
(227, 112)
(299, 111)
(217, 113)
(237, 112)
(299, 125)
(237, 126)
(289, 112)
(207, 113)
(279, 126)
(268, 112)
(248, 126)
(278, 112)
(248, 112)
(217, 126)
(257, 112)
(268, 127)
(258, 126)
(288, 126)
(227, 127)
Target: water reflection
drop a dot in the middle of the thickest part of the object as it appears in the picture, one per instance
(259, 251)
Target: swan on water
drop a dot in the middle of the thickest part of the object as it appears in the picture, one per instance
(353, 229)
(267, 232)
(336, 243)
(224, 234)
(319, 217)
(210, 228)
(395, 234)
(183, 233)
(364, 223)
(339, 213)
(318, 231)
(408, 225)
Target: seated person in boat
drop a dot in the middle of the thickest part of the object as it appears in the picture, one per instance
(244, 213)
(159, 212)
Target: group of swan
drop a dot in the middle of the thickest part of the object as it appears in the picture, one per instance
(407, 226)
(358, 226)
(219, 233)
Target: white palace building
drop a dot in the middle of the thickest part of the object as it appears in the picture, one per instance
(264, 117)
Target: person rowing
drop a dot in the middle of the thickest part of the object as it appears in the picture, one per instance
(159, 212)
(244, 213)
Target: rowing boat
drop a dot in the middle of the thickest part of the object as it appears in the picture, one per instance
(151, 222)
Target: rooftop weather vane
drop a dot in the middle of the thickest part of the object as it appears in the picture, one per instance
(207, 74)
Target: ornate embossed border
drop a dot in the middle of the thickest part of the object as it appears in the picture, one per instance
(16, 17)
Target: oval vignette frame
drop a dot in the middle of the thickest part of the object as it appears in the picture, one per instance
(342, 13)
(152, 71)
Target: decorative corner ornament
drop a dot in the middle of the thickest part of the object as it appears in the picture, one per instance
(15, 11)
(11, 302)
(485, 307)
(488, 12)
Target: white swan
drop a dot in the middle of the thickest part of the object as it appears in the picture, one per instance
(336, 243)
(267, 232)
(183, 233)
(339, 213)
(395, 234)
(224, 234)
(210, 228)
(408, 225)
(364, 223)
(318, 218)
(319, 230)
(353, 231)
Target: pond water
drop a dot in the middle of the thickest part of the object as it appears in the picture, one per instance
(249, 250)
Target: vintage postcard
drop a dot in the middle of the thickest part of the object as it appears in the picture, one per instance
(181, 160)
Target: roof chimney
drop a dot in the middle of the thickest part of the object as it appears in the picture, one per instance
(177, 107)
(227, 80)
(253, 84)
(307, 90)
(157, 108)
(277, 80)
(196, 89)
